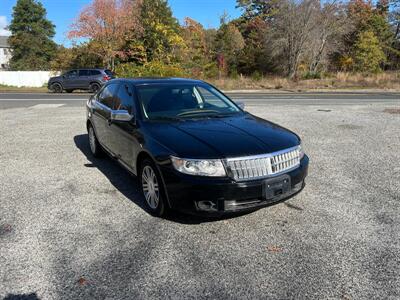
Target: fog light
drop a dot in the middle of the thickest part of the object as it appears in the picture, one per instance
(207, 205)
(297, 187)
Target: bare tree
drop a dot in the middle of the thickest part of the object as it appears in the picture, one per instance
(291, 28)
(331, 25)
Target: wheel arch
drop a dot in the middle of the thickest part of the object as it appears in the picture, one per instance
(57, 82)
(96, 82)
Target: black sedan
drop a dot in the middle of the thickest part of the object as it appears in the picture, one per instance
(192, 148)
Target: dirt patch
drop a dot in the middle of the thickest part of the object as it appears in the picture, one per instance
(392, 111)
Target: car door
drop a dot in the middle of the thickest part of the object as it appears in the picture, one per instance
(69, 79)
(125, 135)
(101, 114)
(83, 79)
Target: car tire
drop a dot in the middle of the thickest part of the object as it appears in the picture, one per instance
(152, 189)
(94, 145)
(56, 88)
(94, 87)
(69, 91)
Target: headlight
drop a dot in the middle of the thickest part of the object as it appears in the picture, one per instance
(199, 167)
(301, 150)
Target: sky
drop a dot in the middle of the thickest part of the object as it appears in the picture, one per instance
(63, 12)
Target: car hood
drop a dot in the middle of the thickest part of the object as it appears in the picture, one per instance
(235, 136)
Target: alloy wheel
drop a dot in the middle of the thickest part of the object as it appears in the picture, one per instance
(94, 88)
(150, 187)
(57, 88)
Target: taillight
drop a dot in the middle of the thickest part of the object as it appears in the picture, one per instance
(106, 78)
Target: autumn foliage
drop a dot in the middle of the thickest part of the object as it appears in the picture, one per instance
(292, 38)
(108, 24)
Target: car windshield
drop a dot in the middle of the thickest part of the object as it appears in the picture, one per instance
(178, 101)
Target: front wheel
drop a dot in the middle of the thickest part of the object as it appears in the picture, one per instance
(153, 192)
(56, 88)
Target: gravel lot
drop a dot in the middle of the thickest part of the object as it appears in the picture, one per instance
(72, 227)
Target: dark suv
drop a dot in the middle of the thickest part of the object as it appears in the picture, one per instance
(81, 79)
(192, 148)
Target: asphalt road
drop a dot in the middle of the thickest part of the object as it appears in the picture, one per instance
(13, 100)
(73, 227)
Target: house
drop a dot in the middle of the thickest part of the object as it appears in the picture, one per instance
(5, 53)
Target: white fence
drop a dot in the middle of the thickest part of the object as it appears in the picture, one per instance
(25, 78)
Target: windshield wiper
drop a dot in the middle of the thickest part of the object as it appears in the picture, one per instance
(165, 118)
(222, 115)
(197, 112)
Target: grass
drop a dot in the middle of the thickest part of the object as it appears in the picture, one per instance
(339, 81)
(348, 81)
(7, 88)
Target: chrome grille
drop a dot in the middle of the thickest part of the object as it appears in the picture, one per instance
(251, 167)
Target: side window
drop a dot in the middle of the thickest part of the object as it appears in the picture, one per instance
(210, 99)
(71, 74)
(108, 94)
(124, 99)
(83, 73)
(94, 73)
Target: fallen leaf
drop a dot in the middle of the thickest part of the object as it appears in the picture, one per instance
(274, 249)
(82, 281)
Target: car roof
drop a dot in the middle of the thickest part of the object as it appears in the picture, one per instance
(158, 80)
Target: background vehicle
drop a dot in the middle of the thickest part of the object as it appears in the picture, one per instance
(80, 79)
(192, 148)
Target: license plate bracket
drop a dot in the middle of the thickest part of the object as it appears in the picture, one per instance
(276, 187)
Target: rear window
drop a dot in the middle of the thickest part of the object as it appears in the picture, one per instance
(109, 72)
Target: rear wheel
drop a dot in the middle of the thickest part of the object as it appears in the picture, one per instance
(56, 87)
(94, 87)
(152, 188)
(94, 144)
(69, 91)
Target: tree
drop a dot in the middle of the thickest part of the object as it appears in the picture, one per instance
(75, 57)
(368, 54)
(31, 37)
(229, 41)
(161, 31)
(197, 53)
(332, 24)
(264, 9)
(108, 24)
(292, 29)
(254, 57)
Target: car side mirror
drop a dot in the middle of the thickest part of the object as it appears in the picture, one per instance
(121, 116)
(241, 105)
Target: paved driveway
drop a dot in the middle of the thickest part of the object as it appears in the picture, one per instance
(73, 227)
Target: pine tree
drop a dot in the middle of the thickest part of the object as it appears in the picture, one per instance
(31, 37)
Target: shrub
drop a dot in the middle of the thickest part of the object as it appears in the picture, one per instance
(150, 69)
(257, 76)
(312, 75)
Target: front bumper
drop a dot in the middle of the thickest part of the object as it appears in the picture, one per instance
(223, 195)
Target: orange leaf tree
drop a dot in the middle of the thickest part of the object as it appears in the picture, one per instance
(108, 24)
